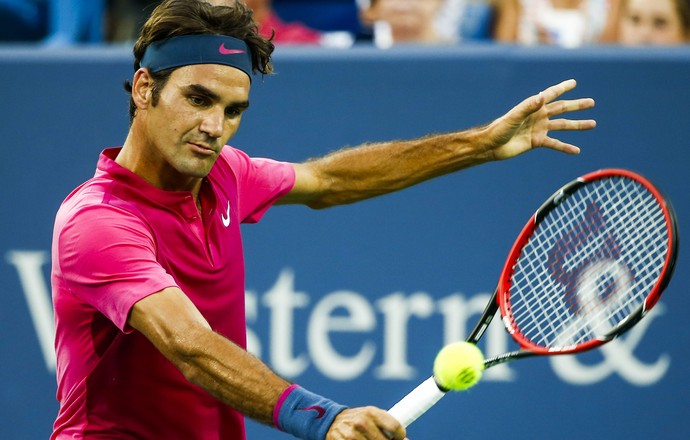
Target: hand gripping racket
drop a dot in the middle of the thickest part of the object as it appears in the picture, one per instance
(589, 264)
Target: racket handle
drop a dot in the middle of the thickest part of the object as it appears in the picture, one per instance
(417, 402)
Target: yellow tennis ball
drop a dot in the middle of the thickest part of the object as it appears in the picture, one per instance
(458, 366)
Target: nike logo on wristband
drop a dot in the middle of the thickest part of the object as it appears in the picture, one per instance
(225, 51)
(320, 412)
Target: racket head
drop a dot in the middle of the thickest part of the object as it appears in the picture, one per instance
(589, 264)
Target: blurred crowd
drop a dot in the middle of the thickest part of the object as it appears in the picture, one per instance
(384, 23)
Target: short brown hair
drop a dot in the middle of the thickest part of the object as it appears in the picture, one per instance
(172, 18)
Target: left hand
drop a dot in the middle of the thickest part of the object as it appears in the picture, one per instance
(526, 126)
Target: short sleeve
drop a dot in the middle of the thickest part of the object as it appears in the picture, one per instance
(108, 260)
(260, 182)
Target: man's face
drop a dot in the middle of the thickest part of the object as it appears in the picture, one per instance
(199, 109)
(651, 22)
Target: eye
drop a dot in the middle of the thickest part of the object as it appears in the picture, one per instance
(198, 101)
(635, 19)
(233, 112)
(660, 23)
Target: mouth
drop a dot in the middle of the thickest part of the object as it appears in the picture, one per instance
(202, 149)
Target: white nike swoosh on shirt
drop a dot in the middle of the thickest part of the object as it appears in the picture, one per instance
(226, 217)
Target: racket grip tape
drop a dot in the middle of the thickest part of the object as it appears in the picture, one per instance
(417, 402)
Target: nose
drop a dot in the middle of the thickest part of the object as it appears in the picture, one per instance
(645, 33)
(212, 123)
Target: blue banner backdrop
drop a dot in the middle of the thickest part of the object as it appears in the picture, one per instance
(353, 302)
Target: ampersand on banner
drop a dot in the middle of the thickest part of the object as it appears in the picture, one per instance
(618, 357)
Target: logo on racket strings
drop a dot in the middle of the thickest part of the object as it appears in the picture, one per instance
(598, 274)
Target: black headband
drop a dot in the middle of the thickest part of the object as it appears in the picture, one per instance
(198, 49)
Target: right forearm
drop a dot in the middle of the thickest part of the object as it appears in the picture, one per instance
(178, 330)
(242, 381)
(230, 373)
(357, 173)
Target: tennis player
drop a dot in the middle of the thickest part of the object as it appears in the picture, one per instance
(148, 271)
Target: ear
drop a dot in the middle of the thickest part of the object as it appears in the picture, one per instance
(142, 86)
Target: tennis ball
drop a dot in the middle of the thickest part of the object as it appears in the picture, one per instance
(458, 366)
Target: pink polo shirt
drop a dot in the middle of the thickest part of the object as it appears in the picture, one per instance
(118, 239)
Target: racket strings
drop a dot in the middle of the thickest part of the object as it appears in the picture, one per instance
(589, 265)
(629, 235)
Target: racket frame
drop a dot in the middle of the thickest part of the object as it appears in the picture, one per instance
(501, 297)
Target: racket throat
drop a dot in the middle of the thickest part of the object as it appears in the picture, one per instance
(508, 357)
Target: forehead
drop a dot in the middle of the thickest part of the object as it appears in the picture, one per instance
(227, 82)
(660, 7)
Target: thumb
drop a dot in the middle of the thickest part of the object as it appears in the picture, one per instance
(529, 106)
(518, 114)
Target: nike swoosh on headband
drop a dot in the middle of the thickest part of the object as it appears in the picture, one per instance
(225, 51)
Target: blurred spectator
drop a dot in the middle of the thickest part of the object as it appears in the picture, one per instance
(403, 21)
(285, 33)
(565, 23)
(427, 21)
(654, 22)
(52, 21)
(124, 18)
(474, 19)
(75, 21)
(22, 20)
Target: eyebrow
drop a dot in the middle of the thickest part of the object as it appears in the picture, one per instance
(205, 91)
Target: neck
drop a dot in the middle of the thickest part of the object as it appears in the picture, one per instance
(151, 167)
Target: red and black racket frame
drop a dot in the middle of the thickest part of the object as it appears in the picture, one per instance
(501, 296)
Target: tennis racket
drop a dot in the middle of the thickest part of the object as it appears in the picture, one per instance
(588, 265)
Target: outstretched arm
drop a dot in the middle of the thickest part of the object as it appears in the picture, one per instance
(358, 173)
